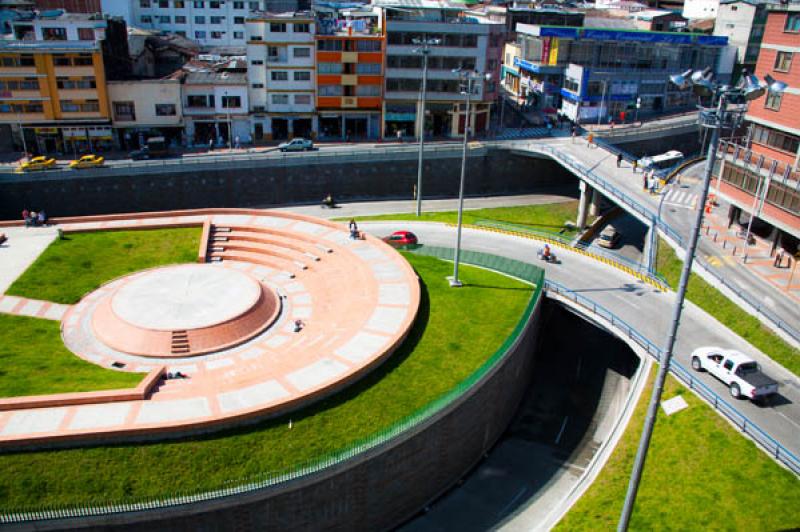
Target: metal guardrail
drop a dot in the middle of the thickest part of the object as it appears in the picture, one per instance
(686, 120)
(234, 487)
(759, 435)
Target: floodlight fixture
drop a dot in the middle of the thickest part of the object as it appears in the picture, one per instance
(773, 85)
(681, 80)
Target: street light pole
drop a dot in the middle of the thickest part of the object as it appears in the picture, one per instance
(653, 230)
(468, 77)
(602, 99)
(22, 134)
(714, 119)
(424, 49)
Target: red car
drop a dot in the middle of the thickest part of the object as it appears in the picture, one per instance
(401, 238)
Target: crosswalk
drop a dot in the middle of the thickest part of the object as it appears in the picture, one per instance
(681, 198)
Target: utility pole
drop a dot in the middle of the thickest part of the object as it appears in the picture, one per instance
(425, 49)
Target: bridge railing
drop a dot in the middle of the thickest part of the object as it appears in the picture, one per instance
(742, 422)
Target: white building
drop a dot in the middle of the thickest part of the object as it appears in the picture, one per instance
(60, 27)
(211, 23)
(281, 73)
(141, 109)
(214, 102)
(700, 9)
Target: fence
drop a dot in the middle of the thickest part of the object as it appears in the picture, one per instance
(240, 486)
(769, 444)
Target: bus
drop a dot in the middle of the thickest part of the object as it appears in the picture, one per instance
(661, 162)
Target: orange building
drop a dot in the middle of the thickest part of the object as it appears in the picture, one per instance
(351, 46)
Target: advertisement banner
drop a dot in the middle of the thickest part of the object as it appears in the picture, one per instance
(553, 51)
(545, 50)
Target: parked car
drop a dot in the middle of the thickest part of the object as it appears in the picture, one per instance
(609, 237)
(739, 372)
(297, 144)
(87, 161)
(38, 163)
(401, 238)
(154, 148)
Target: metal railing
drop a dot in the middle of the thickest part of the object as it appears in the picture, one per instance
(759, 435)
(239, 486)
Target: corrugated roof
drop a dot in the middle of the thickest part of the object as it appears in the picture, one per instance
(216, 78)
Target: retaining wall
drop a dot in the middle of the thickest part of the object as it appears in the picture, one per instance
(492, 172)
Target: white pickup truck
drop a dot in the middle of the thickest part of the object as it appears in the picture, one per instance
(739, 372)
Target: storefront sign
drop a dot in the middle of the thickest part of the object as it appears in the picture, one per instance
(45, 130)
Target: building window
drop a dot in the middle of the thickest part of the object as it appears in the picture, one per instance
(773, 100)
(62, 61)
(368, 46)
(165, 109)
(368, 90)
(330, 90)
(68, 106)
(327, 45)
(330, 68)
(217, 34)
(280, 99)
(85, 34)
(199, 35)
(82, 60)
(368, 68)
(75, 84)
(200, 20)
(302, 99)
(253, 6)
(198, 4)
(231, 102)
(256, 62)
(783, 61)
(238, 20)
(301, 52)
(256, 38)
(257, 85)
(280, 76)
(238, 5)
(213, 4)
(163, 19)
(217, 20)
(792, 23)
(12, 61)
(302, 76)
(277, 27)
(775, 139)
(144, 3)
(163, 4)
(301, 28)
(181, 33)
(180, 19)
(54, 34)
(239, 35)
(178, 4)
(198, 100)
(272, 53)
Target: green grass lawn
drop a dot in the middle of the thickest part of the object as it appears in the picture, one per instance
(700, 474)
(548, 217)
(445, 346)
(70, 268)
(34, 361)
(727, 312)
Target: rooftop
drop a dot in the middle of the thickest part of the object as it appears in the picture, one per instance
(630, 35)
(211, 77)
(47, 46)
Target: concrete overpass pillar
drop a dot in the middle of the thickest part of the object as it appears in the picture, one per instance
(583, 204)
(594, 206)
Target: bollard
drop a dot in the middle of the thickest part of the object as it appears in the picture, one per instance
(724, 243)
(715, 236)
(734, 251)
(708, 228)
(745, 258)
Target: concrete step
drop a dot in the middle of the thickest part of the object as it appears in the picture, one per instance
(219, 238)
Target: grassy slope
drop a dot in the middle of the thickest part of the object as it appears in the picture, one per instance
(727, 312)
(76, 265)
(33, 360)
(701, 474)
(548, 217)
(445, 346)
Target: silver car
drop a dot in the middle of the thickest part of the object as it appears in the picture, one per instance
(296, 145)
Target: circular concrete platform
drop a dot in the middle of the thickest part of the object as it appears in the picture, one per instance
(191, 296)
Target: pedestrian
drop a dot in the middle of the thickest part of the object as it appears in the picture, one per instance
(353, 229)
(644, 181)
(211, 144)
(619, 160)
(778, 259)
(574, 132)
(590, 139)
(237, 142)
(635, 165)
(399, 135)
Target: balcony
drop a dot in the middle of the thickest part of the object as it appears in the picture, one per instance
(761, 164)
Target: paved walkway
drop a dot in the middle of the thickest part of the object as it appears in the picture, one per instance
(23, 246)
(34, 308)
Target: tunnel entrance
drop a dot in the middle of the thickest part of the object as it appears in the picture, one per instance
(581, 377)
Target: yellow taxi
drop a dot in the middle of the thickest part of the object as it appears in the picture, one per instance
(87, 161)
(38, 163)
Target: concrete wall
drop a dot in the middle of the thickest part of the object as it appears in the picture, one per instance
(498, 172)
(377, 491)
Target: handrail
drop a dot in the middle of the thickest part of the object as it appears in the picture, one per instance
(234, 487)
(759, 435)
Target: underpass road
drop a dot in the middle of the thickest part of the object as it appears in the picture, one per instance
(639, 305)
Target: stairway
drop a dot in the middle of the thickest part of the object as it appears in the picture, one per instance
(180, 343)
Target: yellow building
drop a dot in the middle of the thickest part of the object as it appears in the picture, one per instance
(55, 93)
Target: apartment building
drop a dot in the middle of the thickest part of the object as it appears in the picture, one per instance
(146, 108)
(603, 72)
(212, 23)
(742, 22)
(53, 84)
(464, 42)
(215, 104)
(350, 49)
(764, 171)
(281, 75)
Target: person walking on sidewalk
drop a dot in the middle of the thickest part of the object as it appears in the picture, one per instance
(635, 165)
(778, 259)
(619, 159)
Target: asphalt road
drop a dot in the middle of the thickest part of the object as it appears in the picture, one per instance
(643, 308)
